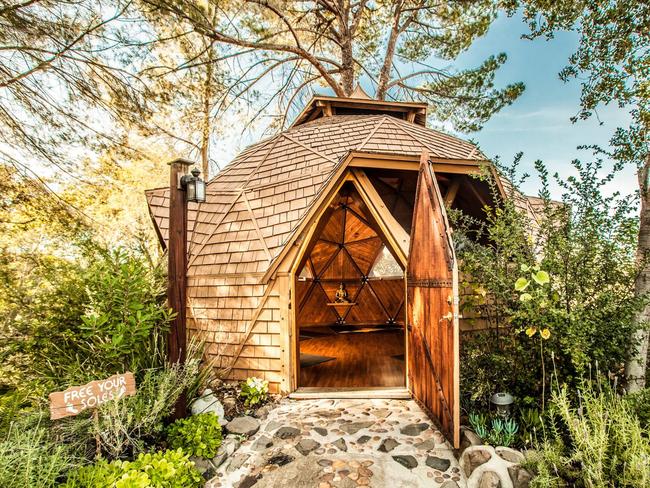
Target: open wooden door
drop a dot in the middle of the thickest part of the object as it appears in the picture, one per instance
(432, 307)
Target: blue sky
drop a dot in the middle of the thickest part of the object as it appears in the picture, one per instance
(538, 122)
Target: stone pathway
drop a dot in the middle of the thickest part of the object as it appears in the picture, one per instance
(343, 444)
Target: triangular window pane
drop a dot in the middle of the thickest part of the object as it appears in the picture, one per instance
(305, 274)
(386, 266)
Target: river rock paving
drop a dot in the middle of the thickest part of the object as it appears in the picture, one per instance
(343, 444)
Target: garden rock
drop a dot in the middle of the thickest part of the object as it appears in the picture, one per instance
(272, 425)
(520, 477)
(354, 427)
(249, 481)
(449, 484)
(202, 465)
(229, 446)
(263, 412)
(237, 460)
(388, 445)
(414, 429)
(426, 445)
(409, 462)
(438, 463)
(287, 432)
(489, 479)
(340, 444)
(261, 444)
(243, 425)
(281, 459)
(305, 446)
(207, 403)
(510, 455)
(320, 431)
(469, 439)
(473, 458)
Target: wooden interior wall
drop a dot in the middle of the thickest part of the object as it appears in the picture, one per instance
(344, 251)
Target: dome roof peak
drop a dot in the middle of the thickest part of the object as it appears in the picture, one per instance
(359, 103)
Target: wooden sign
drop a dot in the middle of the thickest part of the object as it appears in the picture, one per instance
(76, 399)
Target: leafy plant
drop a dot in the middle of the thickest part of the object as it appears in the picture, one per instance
(568, 282)
(640, 404)
(70, 321)
(479, 422)
(131, 425)
(595, 440)
(168, 469)
(198, 435)
(31, 457)
(499, 432)
(254, 391)
(537, 309)
(503, 432)
(531, 426)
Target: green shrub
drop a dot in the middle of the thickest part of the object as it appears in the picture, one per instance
(133, 424)
(586, 243)
(198, 435)
(254, 391)
(640, 404)
(65, 322)
(29, 457)
(594, 441)
(168, 469)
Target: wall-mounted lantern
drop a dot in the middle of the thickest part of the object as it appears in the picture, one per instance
(503, 403)
(194, 187)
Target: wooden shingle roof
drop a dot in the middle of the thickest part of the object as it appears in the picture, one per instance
(256, 202)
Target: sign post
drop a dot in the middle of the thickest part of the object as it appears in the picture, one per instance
(76, 399)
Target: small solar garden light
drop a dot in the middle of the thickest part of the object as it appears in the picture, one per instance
(502, 402)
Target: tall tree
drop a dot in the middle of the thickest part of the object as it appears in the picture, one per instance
(63, 80)
(186, 80)
(613, 63)
(288, 47)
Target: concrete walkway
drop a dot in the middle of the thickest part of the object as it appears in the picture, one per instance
(343, 444)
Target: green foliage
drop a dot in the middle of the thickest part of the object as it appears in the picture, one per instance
(495, 431)
(133, 424)
(594, 441)
(168, 469)
(491, 252)
(640, 404)
(124, 321)
(531, 426)
(67, 322)
(198, 435)
(568, 289)
(254, 391)
(30, 457)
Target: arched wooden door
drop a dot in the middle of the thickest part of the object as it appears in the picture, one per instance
(432, 307)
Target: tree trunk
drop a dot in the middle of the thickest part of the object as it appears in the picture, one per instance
(347, 56)
(205, 124)
(347, 67)
(386, 69)
(636, 366)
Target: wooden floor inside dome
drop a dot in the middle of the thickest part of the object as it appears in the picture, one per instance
(354, 360)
